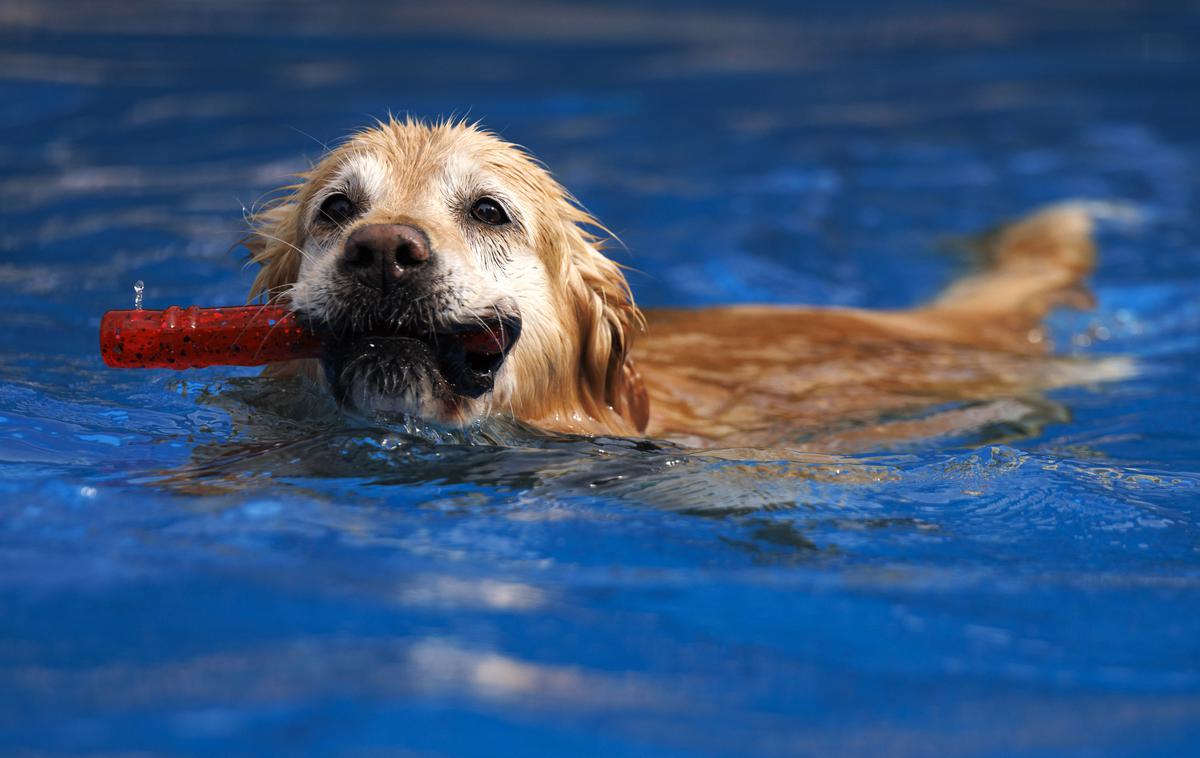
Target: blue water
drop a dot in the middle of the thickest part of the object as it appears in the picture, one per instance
(190, 567)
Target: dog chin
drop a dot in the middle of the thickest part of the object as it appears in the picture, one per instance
(435, 374)
(393, 376)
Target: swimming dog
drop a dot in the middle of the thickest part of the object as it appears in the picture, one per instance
(458, 280)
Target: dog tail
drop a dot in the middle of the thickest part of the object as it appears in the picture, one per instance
(1033, 265)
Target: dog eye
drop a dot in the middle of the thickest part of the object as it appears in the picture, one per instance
(488, 211)
(337, 209)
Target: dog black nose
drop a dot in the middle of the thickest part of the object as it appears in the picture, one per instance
(380, 255)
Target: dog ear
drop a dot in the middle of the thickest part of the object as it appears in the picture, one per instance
(274, 244)
(608, 320)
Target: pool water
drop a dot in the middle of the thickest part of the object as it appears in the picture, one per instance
(191, 566)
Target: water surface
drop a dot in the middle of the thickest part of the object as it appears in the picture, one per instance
(190, 567)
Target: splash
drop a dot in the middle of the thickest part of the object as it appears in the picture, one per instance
(138, 288)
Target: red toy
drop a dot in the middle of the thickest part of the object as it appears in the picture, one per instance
(180, 338)
(247, 335)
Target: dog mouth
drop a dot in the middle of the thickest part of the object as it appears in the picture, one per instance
(449, 362)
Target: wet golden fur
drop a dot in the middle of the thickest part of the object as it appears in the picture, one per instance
(590, 362)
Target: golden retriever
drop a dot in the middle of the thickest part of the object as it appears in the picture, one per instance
(457, 280)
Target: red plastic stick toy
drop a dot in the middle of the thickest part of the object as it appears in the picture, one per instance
(195, 337)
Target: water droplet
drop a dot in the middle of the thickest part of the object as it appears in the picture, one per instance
(138, 288)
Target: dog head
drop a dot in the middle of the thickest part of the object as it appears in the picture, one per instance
(453, 278)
